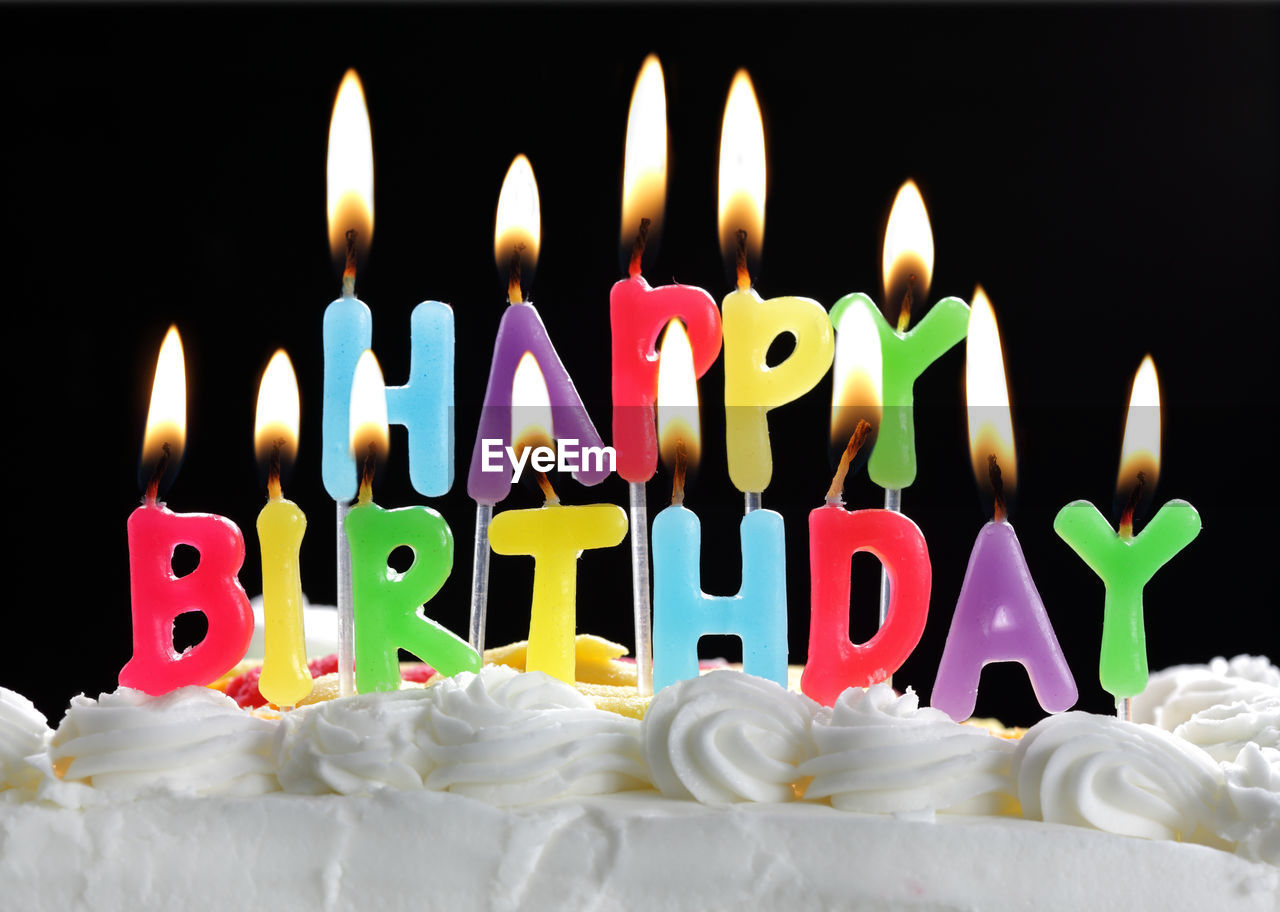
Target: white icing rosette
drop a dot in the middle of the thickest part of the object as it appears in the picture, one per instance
(191, 741)
(1251, 810)
(1119, 777)
(513, 738)
(882, 754)
(24, 732)
(727, 736)
(356, 745)
(1175, 694)
(1224, 729)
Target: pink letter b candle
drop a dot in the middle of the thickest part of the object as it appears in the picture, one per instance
(158, 595)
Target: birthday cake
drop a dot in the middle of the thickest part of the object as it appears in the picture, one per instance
(510, 789)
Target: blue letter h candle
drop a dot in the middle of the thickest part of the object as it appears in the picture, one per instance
(682, 612)
(424, 405)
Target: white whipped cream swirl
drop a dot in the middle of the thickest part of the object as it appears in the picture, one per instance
(355, 745)
(501, 736)
(1251, 811)
(514, 738)
(191, 741)
(1173, 695)
(1223, 730)
(881, 753)
(24, 731)
(1119, 777)
(726, 737)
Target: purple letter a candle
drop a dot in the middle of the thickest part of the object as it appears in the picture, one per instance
(521, 330)
(999, 617)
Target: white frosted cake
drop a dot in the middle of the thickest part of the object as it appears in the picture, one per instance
(511, 790)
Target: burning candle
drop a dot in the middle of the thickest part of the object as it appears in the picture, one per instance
(158, 595)
(637, 314)
(999, 615)
(521, 332)
(836, 534)
(389, 605)
(907, 267)
(1123, 560)
(683, 613)
(553, 534)
(751, 386)
(424, 405)
(281, 525)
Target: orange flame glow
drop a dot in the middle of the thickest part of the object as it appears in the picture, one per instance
(644, 172)
(907, 264)
(350, 169)
(276, 421)
(166, 429)
(517, 227)
(742, 176)
(678, 417)
(987, 397)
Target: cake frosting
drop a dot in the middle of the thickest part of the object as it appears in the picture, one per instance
(510, 789)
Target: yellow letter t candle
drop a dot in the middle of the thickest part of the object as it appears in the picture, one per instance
(555, 535)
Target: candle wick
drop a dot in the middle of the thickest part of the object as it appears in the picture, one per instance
(157, 473)
(547, 491)
(1131, 507)
(908, 298)
(744, 277)
(861, 431)
(678, 476)
(349, 274)
(515, 294)
(637, 249)
(367, 469)
(274, 490)
(997, 488)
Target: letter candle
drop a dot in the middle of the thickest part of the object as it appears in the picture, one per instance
(750, 324)
(907, 268)
(683, 613)
(157, 594)
(999, 615)
(389, 605)
(520, 332)
(836, 534)
(554, 535)
(281, 525)
(637, 314)
(424, 405)
(1123, 560)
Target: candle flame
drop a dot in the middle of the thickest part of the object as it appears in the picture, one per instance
(370, 435)
(531, 423)
(350, 169)
(517, 228)
(987, 397)
(1140, 451)
(857, 376)
(166, 429)
(678, 416)
(742, 179)
(276, 421)
(907, 265)
(644, 171)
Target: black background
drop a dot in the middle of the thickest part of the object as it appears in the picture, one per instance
(1107, 173)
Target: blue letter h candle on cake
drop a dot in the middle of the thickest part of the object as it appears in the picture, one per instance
(682, 612)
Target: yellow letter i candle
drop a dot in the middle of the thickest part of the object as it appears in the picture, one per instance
(281, 525)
